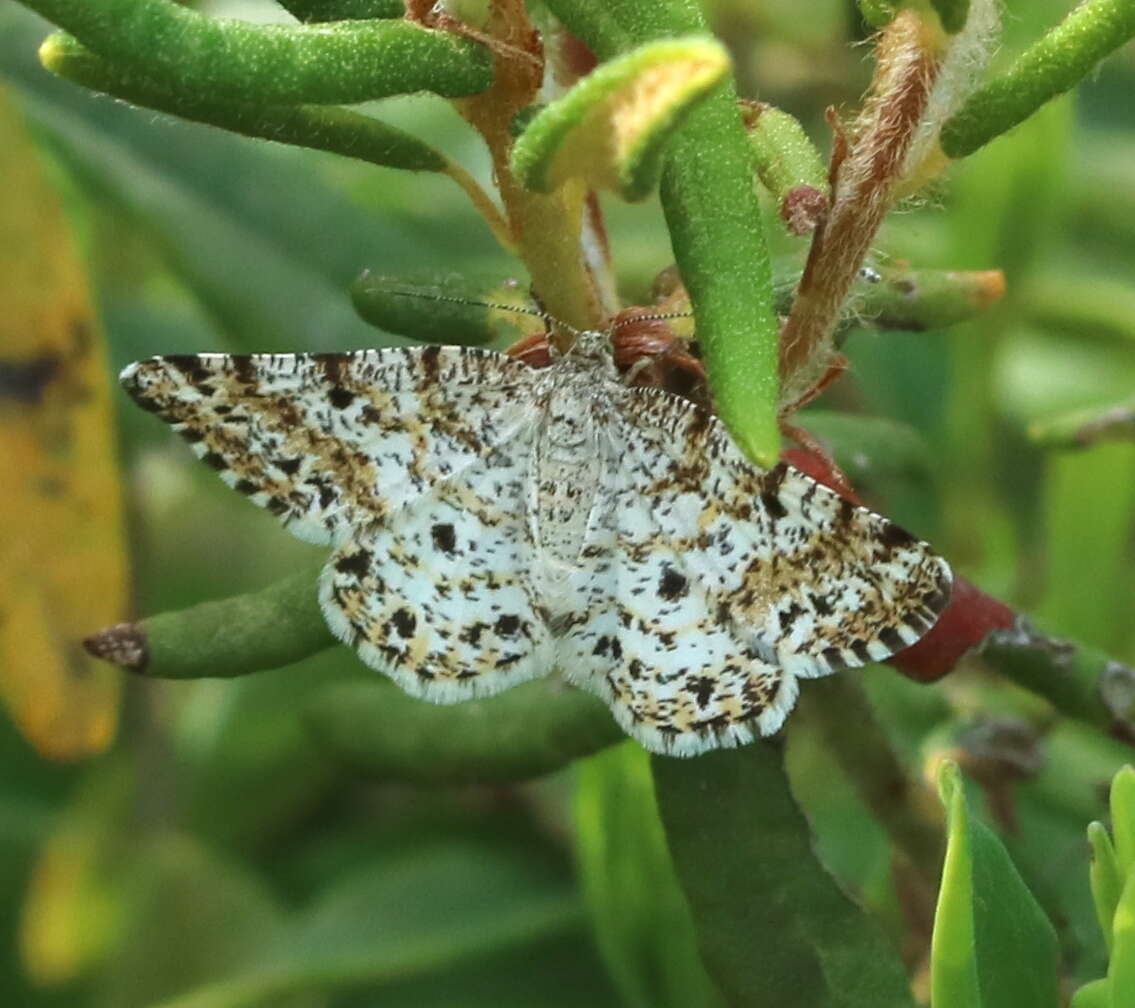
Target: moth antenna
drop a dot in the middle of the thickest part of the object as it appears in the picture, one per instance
(495, 305)
(656, 317)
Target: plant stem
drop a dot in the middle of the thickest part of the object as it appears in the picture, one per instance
(861, 196)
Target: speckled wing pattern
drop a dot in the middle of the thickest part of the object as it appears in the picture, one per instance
(731, 583)
(489, 521)
(410, 463)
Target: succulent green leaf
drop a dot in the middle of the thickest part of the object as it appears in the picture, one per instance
(789, 167)
(714, 218)
(610, 129)
(1106, 878)
(1096, 994)
(441, 310)
(1046, 69)
(1121, 967)
(223, 59)
(315, 11)
(993, 947)
(223, 638)
(1123, 819)
(773, 925)
(320, 127)
(914, 300)
(526, 732)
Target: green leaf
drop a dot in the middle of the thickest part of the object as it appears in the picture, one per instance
(446, 309)
(530, 730)
(714, 218)
(1121, 968)
(774, 927)
(320, 127)
(1046, 69)
(212, 203)
(789, 167)
(1096, 994)
(1123, 819)
(610, 128)
(1105, 877)
(313, 11)
(993, 947)
(345, 62)
(641, 918)
(223, 638)
(1085, 427)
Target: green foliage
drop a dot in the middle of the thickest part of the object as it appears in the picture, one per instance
(306, 837)
(993, 945)
(1048, 68)
(642, 921)
(227, 60)
(1113, 893)
(610, 129)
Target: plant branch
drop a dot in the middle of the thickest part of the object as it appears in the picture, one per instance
(1080, 682)
(862, 190)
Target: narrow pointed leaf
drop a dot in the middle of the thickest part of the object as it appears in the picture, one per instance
(1105, 876)
(320, 127)
(993, 946)
(230, 60)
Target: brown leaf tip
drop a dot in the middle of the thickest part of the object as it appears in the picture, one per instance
(123, 644)
(803, 208)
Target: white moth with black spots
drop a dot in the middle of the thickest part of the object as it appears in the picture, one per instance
(490, 521)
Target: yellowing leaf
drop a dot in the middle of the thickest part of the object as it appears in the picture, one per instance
(62, 563)
(611, 127)
(71, 913)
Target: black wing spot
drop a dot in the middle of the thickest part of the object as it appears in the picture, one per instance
(703, 688)
(444, 537)
(340, 397)
(508, 625)
(772, 504)
(405, 622)
(672, 585)
(355, 564)
(896, 537)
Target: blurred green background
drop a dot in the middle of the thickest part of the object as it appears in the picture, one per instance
(218, 855)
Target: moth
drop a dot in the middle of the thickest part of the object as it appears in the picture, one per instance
(489, 522)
